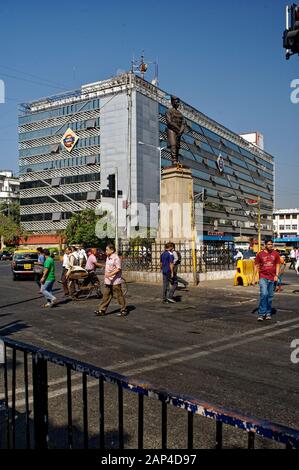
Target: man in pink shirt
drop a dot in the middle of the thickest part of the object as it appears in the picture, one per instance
(267, 264)
(112, 283)
(91, 266)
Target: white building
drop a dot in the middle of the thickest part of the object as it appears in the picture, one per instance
(9, 187)
(70, 144)
(286, 224)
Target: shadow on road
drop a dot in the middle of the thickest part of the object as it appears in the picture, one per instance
(58, 435)
(24, 301)
(12, 327)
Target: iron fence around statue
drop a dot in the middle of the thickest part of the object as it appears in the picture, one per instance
(146, 257)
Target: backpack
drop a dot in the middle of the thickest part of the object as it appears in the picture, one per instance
(75, 259)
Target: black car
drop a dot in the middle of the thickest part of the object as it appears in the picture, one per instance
(23, 263)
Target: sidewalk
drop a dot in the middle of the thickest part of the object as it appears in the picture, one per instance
(290, 285)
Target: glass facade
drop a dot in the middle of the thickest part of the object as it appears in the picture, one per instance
(53, 179)
(245, 176)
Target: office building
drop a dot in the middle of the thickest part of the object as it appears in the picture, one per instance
(71, 143)
(9, 187)
(286, 225)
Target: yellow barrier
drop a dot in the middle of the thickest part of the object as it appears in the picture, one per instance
(245, 273)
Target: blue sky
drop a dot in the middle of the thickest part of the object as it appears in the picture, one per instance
(223, 57)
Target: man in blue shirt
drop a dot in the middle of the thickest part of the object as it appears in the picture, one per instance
(169, 278)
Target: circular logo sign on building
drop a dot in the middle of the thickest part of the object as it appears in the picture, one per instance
(69, 139)
(220, 163)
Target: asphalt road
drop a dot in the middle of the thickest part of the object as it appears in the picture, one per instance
(207, 345)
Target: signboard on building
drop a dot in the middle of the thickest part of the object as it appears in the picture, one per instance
(252, 202)
(216, 234)
(220, 163)
(69, 139)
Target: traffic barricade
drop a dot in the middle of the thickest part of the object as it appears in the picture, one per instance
(245, 275)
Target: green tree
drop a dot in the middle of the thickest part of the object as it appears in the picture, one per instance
(10, 231)
(12, 210)
(81, 228)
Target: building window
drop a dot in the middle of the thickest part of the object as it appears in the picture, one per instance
(281, 227)
(55, 182)
(294, 227)
(90, 123)
(56, 217)
(281, 217)
(91, 196)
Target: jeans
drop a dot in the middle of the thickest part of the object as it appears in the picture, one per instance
(168, 291)
(266, 297)
(46, 290)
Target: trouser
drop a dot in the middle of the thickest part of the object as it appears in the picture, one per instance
(168, 288)
(179, 279)
(64, 281)
(266, 296)
(46, 290)
(37, 278)
(109, 292)
(174, 143)
(292, 263)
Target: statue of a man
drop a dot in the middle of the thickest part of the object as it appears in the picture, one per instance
(175, 128)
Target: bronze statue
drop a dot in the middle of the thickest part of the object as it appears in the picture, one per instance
(175, 128)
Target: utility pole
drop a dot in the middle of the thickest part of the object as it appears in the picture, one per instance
(193, 230)
(259, 224)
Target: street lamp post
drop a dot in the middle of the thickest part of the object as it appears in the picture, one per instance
(193, 199)
(116, 211)
(259, 224)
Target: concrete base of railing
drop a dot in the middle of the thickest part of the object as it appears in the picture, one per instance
(216, 275)
(156, 278)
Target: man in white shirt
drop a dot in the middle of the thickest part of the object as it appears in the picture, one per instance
(238, 256)
(292, 258)
(81, 254)
(65, 267)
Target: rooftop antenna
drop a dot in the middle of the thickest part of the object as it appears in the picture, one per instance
(141, 66)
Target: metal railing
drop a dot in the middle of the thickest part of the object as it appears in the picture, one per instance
(146, 257)
(33, 426)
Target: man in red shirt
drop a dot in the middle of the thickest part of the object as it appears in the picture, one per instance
(267, 264)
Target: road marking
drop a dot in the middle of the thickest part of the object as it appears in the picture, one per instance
(208, 352)
(53, 382)
(197, 346)
(63, 391)
(265, 334)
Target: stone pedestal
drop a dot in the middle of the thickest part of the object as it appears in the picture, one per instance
(176, 206)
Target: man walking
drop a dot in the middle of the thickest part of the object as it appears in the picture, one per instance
(292, 259)
(267, 264)
(65, 268)
(112, 283)
(38, 267)
(167, 267)
(82, 256)
(48, 279)
(91, 267)
(176, 262)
